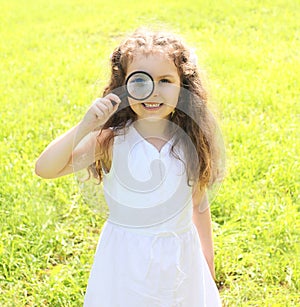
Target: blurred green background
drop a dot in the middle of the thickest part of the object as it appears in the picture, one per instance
(54, 60)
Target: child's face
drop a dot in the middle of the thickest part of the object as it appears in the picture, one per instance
(166, 86)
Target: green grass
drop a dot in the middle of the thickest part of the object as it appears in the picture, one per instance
(54, 62)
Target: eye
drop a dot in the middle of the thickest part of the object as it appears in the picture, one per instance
(139, 81)
(165, 81)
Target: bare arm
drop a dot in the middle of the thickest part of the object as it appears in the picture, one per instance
(202, 221)
(76, 149)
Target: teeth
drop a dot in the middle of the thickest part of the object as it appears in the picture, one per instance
(152, 105)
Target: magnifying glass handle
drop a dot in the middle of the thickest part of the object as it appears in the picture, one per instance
(120, 96)
(123, 95)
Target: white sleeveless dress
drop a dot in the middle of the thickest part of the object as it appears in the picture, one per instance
(149, 252)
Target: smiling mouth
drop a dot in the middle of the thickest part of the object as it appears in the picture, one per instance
(151, 106)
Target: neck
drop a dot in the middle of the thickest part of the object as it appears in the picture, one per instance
(157, 128)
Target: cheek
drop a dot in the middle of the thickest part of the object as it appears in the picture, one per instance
(172, 95)
(133, 104)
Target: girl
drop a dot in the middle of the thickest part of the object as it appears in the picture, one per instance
(156, 154)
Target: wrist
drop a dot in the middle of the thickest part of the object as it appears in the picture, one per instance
(82, 129)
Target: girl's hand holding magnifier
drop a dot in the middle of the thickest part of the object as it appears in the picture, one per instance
(100, 111)
(139, 86)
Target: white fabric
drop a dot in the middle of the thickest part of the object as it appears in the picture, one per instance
(149, 253)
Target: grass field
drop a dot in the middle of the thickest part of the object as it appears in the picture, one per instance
(54, 62)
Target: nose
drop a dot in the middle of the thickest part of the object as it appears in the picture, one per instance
(155, 89)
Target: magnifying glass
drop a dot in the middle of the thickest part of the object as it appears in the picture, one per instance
(139, 85)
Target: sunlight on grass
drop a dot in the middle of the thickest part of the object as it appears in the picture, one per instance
(54, 62)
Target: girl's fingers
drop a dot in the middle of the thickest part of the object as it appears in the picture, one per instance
(98, 112)
(113, 98)
(102, 109)
(104, 105)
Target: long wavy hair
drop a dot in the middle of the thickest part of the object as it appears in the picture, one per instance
(201, 147)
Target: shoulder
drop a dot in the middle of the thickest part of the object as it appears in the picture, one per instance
(103, 135)
(106, 138)
(103, 139)
(200, 199)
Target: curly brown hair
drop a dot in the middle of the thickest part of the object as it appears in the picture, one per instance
(201, 148)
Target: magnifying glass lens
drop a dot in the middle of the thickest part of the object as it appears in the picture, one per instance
(139, 85)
